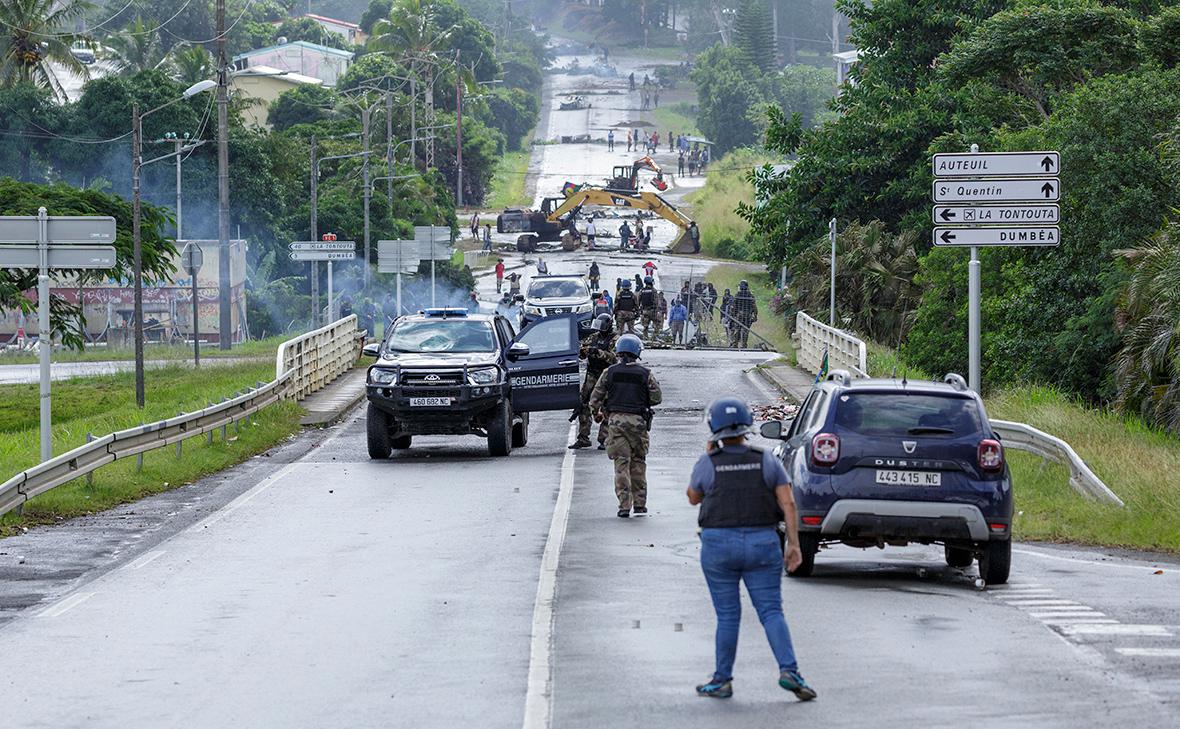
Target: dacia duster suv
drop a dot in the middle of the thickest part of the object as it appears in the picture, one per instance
(449, 372)
(884, 461)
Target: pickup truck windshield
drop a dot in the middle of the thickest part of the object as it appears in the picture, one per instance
(442, 335)
(557, 289)
(889, 414)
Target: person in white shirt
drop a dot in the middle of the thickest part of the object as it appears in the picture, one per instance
(591, 232)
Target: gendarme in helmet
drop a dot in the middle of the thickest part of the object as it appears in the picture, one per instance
(603, 323)
(629, 344)
(626, 283)
(743, 285)
(729, 417)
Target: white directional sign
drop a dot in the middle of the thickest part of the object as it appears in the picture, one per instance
(60, 229)
(397, 256)
(996, 214)
(998, 236)
(322, 245)
(1024, 190)
(434, 242)
(24, 256)
(997, 164)
(323, 255)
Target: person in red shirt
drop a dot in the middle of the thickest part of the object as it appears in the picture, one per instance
(649, 269)
(499, 274)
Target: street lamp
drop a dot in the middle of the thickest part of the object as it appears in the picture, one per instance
(136, 163)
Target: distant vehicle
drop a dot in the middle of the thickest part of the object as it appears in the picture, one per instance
(83, 53)
(448, 372)
(574, 103)
(883, 461)
(557, 295)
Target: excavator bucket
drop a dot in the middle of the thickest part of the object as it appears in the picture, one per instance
(682, 244)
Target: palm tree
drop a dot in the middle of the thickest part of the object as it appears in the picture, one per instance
(411, 30)
(32, 39)
(1147, 369)
(136, 48)
(191, 64)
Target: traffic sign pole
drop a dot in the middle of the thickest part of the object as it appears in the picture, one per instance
(331, 299)
(973, 297)
(44, 336)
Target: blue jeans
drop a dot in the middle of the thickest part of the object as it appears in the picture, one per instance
(752, 555)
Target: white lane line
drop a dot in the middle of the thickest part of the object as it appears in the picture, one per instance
(1166, 569)
(1150, 652)
(1012, 587)
(146, 559)
(1031, 592)
(1080, 611)
(1156, 631)
(62, 606)
(1031, 604)
(1079, 621)
(538, 703)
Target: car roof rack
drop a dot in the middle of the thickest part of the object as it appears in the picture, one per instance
(956, 381)
(841, 376)
(444, 312)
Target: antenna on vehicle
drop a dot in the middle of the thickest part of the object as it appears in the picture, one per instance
(904, 374)
(897, 349)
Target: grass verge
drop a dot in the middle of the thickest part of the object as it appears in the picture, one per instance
(254, 348)
(101, 405)
(678, 117)
(1137, 463)
(507, 186)
(769, 326)
(714, 206)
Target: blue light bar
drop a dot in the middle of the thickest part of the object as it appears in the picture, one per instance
(445, 312)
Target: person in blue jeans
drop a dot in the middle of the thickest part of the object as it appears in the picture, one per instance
(744, 493)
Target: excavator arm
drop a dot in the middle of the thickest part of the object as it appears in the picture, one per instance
(638, 200)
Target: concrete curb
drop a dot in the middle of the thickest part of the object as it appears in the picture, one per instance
(335, 400)
(785, 379)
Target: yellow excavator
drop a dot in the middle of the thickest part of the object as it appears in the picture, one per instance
(555, 220)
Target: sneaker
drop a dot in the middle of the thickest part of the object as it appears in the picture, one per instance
(793, 682)
(579, 444)
(601, 446)
(624, 513)
(640, 510)
(716, 689)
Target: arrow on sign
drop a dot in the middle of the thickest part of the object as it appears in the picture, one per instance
(1047, 163)
(947, 237)
(1047, 188)
(946, 214)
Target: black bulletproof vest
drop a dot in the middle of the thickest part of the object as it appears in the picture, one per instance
(739, 497)
(626, 389)
(625, 302)
(647, 299)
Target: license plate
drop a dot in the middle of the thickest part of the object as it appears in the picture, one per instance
(909, 478)
(430, 402)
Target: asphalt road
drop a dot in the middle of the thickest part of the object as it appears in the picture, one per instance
(317, 587)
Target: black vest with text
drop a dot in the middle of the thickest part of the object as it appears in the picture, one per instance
(626, 389)
(647, 298)
(625, 301)
(739, 497)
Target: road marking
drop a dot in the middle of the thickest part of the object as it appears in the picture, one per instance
(1166, 569)
(1065, 620)
(1150, 652)
(62, 606)
(1043, 603)
(146, 559)
(1157, 631)
(538, 703)
(1080, 611)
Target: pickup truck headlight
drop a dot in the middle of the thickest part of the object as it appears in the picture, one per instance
(583, 308)
(379, 376)
(484, 376)
(533, 311)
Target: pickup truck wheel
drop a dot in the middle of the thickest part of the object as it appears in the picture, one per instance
(402, 442)
(808, 545)
(995, 562)
(377, 430)
(520, 432)
(958, 556)
(500, 430)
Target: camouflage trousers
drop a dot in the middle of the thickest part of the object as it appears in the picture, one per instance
(626, 321)
(584, 417)
(626, 445)
(651, 317)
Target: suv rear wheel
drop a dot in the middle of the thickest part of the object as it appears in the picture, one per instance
(520, 432)
(995, 562)
(808, 545)
(377, 430)
(500, 430)
(958, 556)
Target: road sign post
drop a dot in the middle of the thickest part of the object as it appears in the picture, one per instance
(428, 238)
(993, 199)
(44, 242)
(329, 249)
(191, 259)
(397, 256)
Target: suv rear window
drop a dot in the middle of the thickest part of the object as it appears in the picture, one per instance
(557, 289)
(890, 414)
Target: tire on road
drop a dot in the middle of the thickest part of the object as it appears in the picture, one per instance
(958, 556)
(500, 430)
(377, 430)
(808, 545)
(402, 442)
(995, 562)
(520, 432)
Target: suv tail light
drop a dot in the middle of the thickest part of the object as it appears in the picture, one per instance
(825, 449)
(991, 455)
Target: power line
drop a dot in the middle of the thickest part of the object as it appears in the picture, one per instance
(99, 25)
(219, 36)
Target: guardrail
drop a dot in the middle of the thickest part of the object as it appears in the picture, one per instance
(1027, 438)
(845, 351)
(303, 365)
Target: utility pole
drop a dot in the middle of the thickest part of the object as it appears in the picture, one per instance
(315, 265)
(179, 203)
(832, 283)
(225, 318)
(137, 247)
(389, 146)
(458, 134)
(365, 118)
(413, 121)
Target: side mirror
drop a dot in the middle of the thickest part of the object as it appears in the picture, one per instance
(518, 350)
(371, 350)
(772, 430)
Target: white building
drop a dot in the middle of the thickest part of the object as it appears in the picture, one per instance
(306, 59)
(350, 32)
(844, 63)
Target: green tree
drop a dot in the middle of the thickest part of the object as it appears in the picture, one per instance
(33, 37)
(512, 111)
(753, 33)
(136, 48)
(307, 29)
(27, 116)
(1161, 38)
(377, 10)
(304, 104)
(192, 64)
(727, 88)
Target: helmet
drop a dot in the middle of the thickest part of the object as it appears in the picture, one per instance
(626, 283)
(603, 323)
(729, 417)
(629, 344)
(648, 281)
(743, 285)
(506, 299)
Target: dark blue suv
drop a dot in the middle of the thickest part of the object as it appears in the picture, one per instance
(875, 462)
